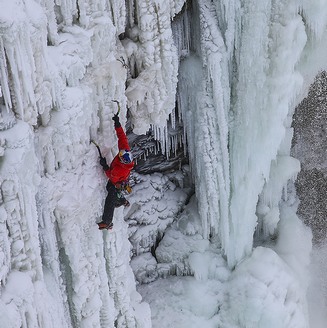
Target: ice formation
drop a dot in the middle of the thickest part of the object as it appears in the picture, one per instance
(232, 73)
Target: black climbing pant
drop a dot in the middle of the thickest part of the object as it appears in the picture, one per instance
(113, 199)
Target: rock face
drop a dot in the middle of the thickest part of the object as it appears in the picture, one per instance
(310, 147)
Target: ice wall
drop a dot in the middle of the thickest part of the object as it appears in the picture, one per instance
(61, 65)
(255, 60)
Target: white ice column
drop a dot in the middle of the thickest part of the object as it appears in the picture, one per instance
(274, 50)
(21, 274)
(24, 80)
(204, 100)
(154, 66)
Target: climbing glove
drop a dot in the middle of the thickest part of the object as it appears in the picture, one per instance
(103, 163)
(116, 119)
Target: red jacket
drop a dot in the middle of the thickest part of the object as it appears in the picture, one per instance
(118, 171)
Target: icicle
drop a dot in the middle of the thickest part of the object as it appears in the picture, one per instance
(4, 77)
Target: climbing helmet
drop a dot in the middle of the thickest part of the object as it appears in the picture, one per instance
(125, 156)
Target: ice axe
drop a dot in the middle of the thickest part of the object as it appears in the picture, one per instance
(96, 145)
(122, 61)
(116, 101)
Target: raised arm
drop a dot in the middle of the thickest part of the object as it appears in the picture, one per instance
(122, 139)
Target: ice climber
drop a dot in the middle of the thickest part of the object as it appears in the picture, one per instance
(118, 174)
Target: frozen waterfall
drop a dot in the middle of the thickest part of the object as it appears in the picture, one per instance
(216, 243)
